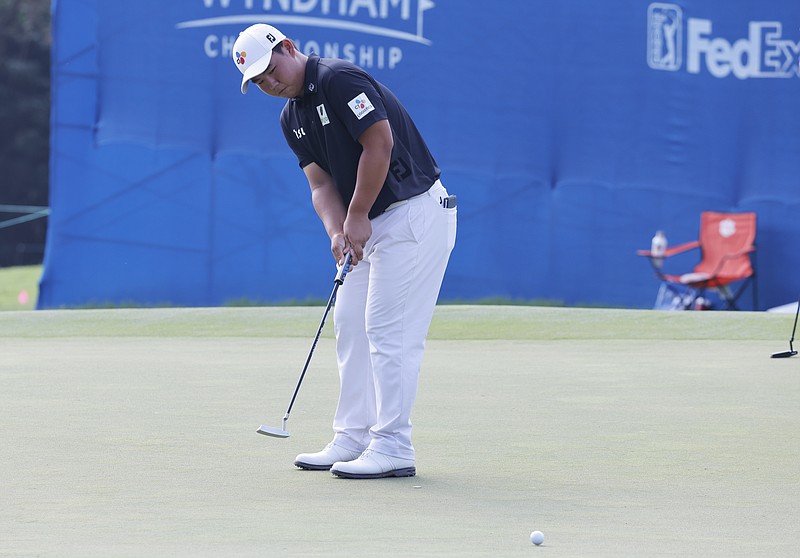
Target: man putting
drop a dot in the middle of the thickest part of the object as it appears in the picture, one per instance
(375, 187)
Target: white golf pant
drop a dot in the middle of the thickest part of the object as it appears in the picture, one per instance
(381, 319)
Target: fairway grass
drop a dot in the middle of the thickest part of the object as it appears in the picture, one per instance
(449, 322)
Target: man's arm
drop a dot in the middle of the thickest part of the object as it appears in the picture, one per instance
(373, 166)
(329, 207)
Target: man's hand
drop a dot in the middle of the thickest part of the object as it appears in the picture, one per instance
(357, 230)
(339, 248)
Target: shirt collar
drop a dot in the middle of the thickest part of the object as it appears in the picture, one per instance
(310, 85)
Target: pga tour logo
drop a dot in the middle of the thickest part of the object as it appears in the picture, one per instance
(764, 53)
(664, 33)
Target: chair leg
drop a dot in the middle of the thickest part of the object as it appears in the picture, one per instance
(731, 298)
(682, 298)
(667, 295)
(728, 297)
(688, 300)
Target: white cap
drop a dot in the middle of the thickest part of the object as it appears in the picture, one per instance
(252, 50)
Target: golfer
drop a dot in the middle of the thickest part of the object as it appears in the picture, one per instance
(376, 189)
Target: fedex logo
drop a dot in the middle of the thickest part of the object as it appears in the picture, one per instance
(764, 53)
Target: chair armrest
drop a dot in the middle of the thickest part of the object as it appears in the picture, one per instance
(672, 250)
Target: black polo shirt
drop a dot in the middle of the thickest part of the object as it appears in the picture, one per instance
(339, 102)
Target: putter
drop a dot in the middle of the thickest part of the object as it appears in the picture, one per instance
(337, 282)
(791, 352)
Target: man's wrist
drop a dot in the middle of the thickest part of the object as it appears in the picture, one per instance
(356, 211)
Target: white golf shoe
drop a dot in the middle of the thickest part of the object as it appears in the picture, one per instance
(322, 460)
(374, 465)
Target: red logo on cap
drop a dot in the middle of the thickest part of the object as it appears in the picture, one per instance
(240, 56)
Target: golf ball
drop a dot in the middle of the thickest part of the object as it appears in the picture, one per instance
(537, 538)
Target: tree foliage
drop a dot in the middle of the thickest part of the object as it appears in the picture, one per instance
(25, 41)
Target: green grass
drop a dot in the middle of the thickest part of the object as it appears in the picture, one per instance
(485, 319)
(16, 280)
(477, 320)
(16, 283)
(467, 322)
(131, 432)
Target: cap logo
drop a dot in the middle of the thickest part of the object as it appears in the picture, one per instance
(271, 37)
(240, 56)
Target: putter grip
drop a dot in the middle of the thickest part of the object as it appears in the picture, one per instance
(343, 270)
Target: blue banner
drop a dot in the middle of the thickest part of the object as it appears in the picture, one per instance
(570, 132)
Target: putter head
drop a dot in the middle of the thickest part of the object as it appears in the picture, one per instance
(784, 354)
(270, 431)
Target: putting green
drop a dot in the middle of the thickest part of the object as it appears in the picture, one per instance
(615, 432)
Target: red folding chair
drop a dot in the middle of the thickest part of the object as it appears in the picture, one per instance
(726, 243)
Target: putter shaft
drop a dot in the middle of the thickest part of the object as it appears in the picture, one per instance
(337, 282)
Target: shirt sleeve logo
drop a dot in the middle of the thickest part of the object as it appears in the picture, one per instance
(361, 106)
